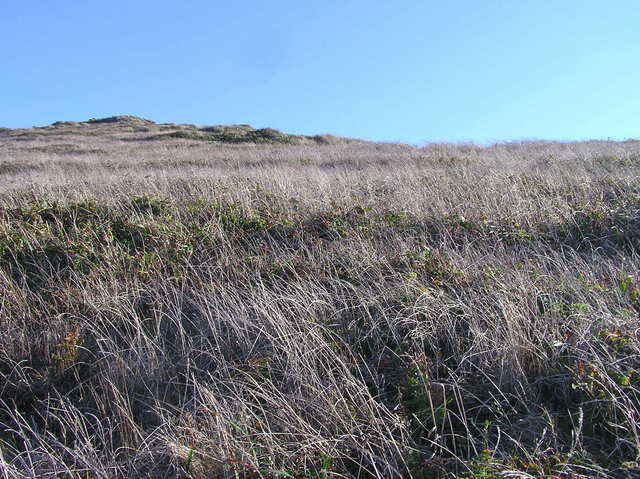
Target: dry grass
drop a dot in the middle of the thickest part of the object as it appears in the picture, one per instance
(181, 308)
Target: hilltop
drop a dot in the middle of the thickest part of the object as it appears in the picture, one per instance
(143, 129)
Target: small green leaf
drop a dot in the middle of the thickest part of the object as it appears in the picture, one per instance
(624, 380)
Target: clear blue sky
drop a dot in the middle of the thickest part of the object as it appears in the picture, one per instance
(410, 71)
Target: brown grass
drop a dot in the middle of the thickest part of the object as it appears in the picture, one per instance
(184, 308)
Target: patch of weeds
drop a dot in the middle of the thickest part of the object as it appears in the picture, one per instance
(260, 369)
(428, 405)
(269, 135)
(630, 287)
(617, 340)
(434, 267)
(490, 273)
(37, 265)
(188, 135)
(548, 305)
(601, 225)
(68, 350)
(505, 230)
(287, 223)
(591, 377)
(483, 466)
(233, 134)
(487, 465)
(587, 376)
(327, 226)
(133, 236)
(149, 204)
(358, 220)
(509, 231)
(330, 139)
(65, 215)
(247, 134)
(11, 241)
(231, 217)
(599, 285)
(394, 217)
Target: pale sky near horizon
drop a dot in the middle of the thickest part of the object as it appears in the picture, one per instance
(408, 71)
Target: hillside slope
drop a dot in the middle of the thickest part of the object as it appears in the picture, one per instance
(174, 307)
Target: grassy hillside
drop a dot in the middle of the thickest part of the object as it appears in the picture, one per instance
(175, 302)
(134, 128)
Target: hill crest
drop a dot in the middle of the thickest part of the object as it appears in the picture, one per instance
(146, 129)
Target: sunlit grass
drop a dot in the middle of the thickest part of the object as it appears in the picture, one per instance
(179, 308)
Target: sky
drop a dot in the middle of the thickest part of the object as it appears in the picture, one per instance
(420, 71)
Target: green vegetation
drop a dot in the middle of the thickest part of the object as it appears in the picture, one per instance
(117, 119)
(316, 310)
(247, 134)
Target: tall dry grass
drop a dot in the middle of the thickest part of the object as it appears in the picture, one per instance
(175, 308)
